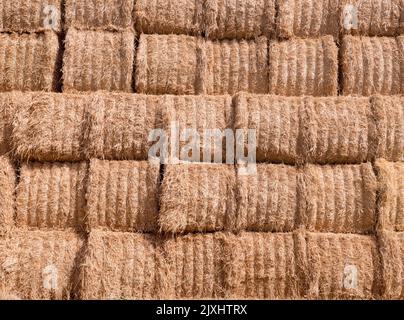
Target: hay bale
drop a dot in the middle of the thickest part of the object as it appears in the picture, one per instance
(339, 198)
(111, 15)
(376, 17)
(267, 200)
(230, 66)
(199, 113)
(342, 266)
(303, 67)
(192, 201)
(8, 180)
(49, 127)
(389, 115)
(39, 265)
(30, 16)
(169, 16)
(371, 65)
(391, 195)
(244, 19)
(118, 125)
(119, 266)
(337, 130)
(123, 195)
(167, 64)
(7, 110)
(307, 18)
(276, 121)
(29, 62)
(193, 267)
(98, 60)
(391, 247)
(51, 196)
(264, 266)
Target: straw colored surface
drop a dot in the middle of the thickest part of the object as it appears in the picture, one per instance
(51, 196)
(7, 187)
(98, 60)
(7, 110)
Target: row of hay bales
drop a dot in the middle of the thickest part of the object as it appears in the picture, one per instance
(114, 265)
(179, 64)
(292, 130)
(126, 196)
(212, 18)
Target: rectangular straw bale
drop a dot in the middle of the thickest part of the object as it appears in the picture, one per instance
(7, 111)
(49, 127)
(265, 266)
(340, 198)
(169, 16)
(123, 195)
(391, 246)
(111, 15)
(39, 265)
(118, 125)
(337, 130)
(308, 18)
(192, 201)
(376, 17)
(391, 195)
(29, 62)
(98, 60)
(276, 121)
(267, 200)
(372, 65)
(342, 266)
(8, 180)
(389, 117)
(193, 267)
(199, 113)
(118, 266)
(230, 66)
(51, 196)
(30, 16)
(167, 64)
(304, 67)
(243, 19)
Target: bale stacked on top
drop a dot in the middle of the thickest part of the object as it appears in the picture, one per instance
(340, 199)
(342, 266)
(112, 15)
(49, 127)
(123, 195)
(39, 265)
(389, 114)
(192, 201)
(51, 196)
(197, 113)
(372, 65)
(119, 266)
(231, 66)
(267, 200)
(303, 67)
(391, 195)
(29, 62)
(391, 246)
(30, 16)
(7, 186)
(98, 60)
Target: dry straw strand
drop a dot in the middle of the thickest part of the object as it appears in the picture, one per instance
(51, 196)
(391, 195)
(7, 186)
(39, 265)
(30, 16)
(98, 60)
(123, 196)
(192, 201)
(110, 15)
(303, 67)
(29, 61)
